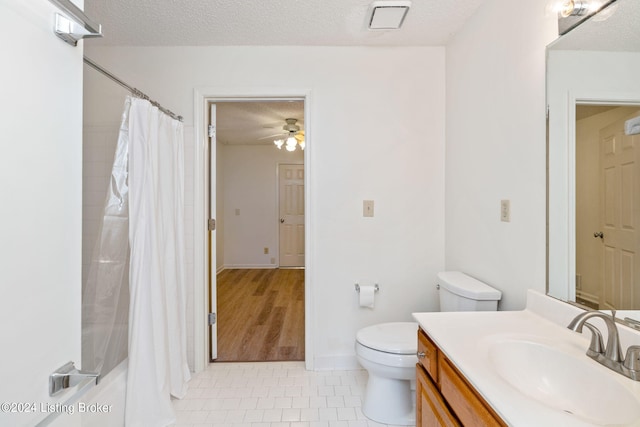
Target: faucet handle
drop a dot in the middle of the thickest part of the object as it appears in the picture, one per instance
(596, 346)
(632, 359)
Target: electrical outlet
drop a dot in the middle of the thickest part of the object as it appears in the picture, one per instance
(505, 210)
(237, 211)
(266, 251)
(273, 260)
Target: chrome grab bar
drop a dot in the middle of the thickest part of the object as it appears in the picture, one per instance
(68, 376)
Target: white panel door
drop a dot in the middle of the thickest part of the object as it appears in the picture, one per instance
(620, 211)
(291, 194)
(41, 219)
(213, 327)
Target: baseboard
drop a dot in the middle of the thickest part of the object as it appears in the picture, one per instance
(336, 363)
(248, 266)
(588, 299)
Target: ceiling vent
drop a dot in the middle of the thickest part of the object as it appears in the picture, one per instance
(388, 15)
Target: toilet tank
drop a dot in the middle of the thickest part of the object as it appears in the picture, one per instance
(459, 292)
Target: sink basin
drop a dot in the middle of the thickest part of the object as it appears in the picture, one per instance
(565, 381)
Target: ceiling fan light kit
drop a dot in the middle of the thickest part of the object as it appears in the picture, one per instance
(293, 139)
(388, 14)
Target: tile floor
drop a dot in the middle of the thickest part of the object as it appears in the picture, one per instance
(273, 394)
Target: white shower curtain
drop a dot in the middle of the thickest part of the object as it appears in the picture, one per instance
(157, 331)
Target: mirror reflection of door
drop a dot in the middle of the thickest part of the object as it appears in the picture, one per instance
(291, 203)
(607, 208)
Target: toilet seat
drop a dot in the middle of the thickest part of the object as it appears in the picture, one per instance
(395, 338)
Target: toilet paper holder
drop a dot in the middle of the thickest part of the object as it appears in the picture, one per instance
(376, 288)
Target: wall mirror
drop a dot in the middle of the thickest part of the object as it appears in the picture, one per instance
(593, 89)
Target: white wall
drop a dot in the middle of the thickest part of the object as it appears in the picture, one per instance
(572, 75)
(41, 193)
(377, 123)
(495, 124)
(251, 188)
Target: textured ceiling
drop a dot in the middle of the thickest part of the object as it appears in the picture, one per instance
(267, 23)
(270, 22)
(255, 123)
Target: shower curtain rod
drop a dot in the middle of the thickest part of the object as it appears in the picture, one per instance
(135, 92)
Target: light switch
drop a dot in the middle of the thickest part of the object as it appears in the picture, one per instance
(367, 208)
(505, 211)
(237, 211)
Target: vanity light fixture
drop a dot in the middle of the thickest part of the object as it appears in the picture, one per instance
(574, 8)
(388, 14)
(572, 13)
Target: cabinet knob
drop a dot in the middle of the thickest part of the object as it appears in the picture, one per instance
(421, 354)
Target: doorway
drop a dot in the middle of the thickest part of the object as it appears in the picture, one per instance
(246, 274)
(607, 181)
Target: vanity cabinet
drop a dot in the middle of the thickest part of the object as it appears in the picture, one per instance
(443, 396)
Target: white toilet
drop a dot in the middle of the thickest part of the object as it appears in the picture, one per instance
(388, 350)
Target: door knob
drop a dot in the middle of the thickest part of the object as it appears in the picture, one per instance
(281, 220)
(598, 234)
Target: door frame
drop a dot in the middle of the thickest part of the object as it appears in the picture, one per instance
(202, 97)
(561, 187)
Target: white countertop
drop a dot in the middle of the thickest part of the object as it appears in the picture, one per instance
(465, 339)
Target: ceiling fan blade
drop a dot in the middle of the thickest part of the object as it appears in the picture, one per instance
(283, 135)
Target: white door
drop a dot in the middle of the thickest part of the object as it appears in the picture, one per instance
(291, 194)
(619, 213)
(41, 219)
(213, 323)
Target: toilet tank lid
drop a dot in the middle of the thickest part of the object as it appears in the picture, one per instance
(459, 283)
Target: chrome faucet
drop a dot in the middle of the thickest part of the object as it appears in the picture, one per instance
(611, 357)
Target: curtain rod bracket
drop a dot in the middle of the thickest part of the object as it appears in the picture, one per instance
(74, 25)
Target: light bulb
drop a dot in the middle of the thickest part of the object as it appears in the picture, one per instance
(279, 143)
(573, 8)
(302, 144)
(291, 143)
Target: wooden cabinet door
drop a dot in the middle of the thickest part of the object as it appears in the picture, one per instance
(431, 409)
(463, 399)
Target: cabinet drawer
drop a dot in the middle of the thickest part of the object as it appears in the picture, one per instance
(428, 355)
(470, 408)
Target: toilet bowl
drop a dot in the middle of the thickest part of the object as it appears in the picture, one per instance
(388, 350)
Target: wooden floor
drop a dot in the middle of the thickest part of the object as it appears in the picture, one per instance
(260, 315)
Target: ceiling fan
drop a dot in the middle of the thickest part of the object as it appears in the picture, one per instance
(292, 138)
